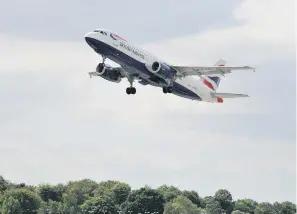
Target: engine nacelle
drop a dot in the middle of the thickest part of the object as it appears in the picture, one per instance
(109, 73)
(162, 70)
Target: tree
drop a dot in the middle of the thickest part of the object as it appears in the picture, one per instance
(70, 204)
(11, 205)
(288, 207)
(284, 208)
(224, 197)
(169, 192)
(143, 200)
(116, 189)
(87, 196)
(100, 205)
(29, 201)
(82, 190)
(245, 205)
(105, 187)
(3, 184)
(181, 204)
(213, 206)
(194, 197)
(264, 208)
(48, 192)
(121, 192)
(51, 207)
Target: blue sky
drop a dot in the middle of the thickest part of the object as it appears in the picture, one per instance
(59, 125)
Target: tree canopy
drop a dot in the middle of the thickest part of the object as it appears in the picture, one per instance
(114, 197)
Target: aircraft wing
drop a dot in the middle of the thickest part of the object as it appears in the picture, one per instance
(228, 95)
(183, 71)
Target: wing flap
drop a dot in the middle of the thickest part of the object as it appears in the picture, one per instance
(228, 95)
(208, 70)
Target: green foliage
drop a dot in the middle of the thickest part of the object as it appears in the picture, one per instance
(102, 204)
(28, 200)
(287, 208)
(121, 192)
(143, 200)
(80, 191)
(276, 208)
(3, 184)
(169, 192)
(245, 205)
(213, 206)
(51, 207)
(224, 197)
(181, 204)
(48, 192)
(87, 196)
(264, 208)
(194, 197)
(118, 190)
(11, 205)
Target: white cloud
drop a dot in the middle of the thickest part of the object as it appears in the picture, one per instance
(77, 113)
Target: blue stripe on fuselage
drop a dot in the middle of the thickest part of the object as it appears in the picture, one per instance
(122, 58)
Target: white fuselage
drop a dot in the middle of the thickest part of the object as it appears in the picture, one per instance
(131, 57)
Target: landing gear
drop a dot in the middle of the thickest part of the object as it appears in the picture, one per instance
(167, 90)
(101, 66)
(131, 89)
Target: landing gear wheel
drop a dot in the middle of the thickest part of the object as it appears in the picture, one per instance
(131, 90)
(167, 90)
(128, 90)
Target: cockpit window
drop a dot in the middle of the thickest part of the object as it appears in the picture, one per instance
(101, 31)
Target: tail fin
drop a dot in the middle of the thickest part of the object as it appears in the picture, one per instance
(213, 81)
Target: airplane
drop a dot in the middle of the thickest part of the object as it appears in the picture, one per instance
(137, 64)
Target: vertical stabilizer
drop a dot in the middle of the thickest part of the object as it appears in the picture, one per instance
(213, 81)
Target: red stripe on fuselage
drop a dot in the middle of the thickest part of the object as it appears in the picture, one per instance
(208, 84)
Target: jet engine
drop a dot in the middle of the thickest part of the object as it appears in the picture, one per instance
(161, 70)
(108, 73)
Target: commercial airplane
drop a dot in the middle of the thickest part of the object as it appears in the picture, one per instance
(137, 64)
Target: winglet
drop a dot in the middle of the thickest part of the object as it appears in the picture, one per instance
(253, 68)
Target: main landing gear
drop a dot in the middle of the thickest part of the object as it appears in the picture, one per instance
(101, 66)
(167, 90)
(131, 89)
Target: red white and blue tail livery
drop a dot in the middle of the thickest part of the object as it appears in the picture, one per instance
(138, 65)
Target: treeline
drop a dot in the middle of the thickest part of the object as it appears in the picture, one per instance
(114, 197)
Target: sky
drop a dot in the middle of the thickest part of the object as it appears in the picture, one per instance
(57, 124)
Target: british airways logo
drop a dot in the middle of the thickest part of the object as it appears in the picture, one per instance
(116, 37)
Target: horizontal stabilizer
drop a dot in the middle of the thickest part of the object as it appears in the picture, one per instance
(228, 95)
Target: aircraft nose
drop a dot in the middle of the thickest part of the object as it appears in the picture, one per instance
(89, 35)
